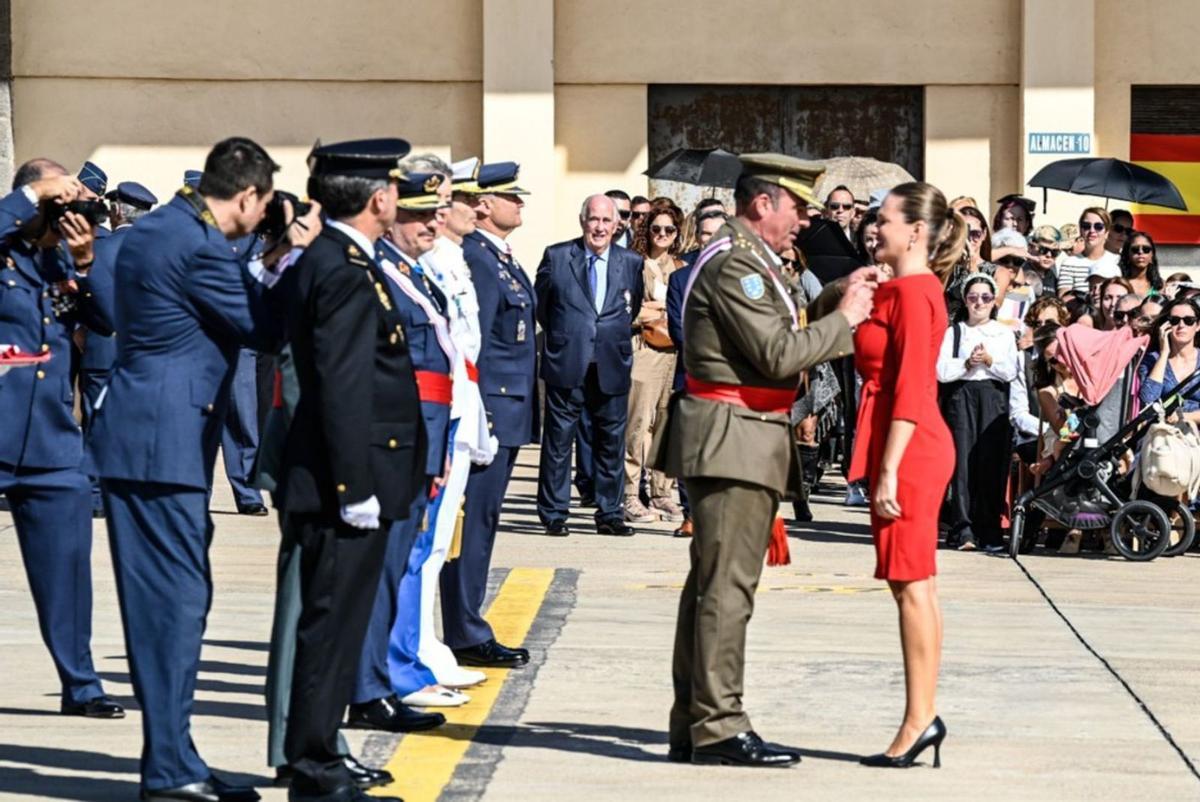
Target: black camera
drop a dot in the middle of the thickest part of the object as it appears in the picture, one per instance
(274, 224)
(94, 211)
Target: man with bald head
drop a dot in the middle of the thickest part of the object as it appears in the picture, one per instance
(589, 291)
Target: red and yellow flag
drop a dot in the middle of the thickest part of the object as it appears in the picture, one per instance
(1176, 156)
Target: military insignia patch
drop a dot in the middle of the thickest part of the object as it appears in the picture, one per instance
(753, 287)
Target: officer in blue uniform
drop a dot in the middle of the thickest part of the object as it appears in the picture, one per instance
(185, 305)
(239, 435)
(41, 449)
(374, 705)
(127, 203)
(509, 388)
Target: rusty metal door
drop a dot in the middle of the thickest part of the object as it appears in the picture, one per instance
(811, 122)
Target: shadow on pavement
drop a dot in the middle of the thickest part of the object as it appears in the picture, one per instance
(248, 645)
(202, 684)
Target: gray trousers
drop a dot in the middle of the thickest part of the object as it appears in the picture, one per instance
(282, 658)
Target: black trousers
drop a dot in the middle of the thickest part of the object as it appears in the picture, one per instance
(977, 414)
(339, 577)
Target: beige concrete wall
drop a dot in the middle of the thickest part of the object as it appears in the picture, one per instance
(972, 135)
(152, 130)
(787, 41)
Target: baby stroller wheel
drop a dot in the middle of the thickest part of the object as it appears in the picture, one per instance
(1140, 531)
(1186, 527)
(1015, 532)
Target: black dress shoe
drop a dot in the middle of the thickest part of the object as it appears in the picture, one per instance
(252, 509)
(613, 526)
(366, 777)
(680, 754)
(557, 529)
(744, 749)
(283, 776)
(390, 715)
(100, 707)
(587, 501)
(210, 790)
(492, 654)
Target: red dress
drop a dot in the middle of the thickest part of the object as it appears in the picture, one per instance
(896, 352)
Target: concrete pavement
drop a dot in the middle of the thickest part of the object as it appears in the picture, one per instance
(1034, 712)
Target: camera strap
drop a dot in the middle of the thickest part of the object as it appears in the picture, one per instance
(197, 203)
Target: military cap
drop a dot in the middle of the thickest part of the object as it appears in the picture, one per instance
(795, 175)
(1029, 203)
(499, 178)
(418, 192)
(360, 158)
(93, 178)
(465, 170)
(134, 194)
(191, 178)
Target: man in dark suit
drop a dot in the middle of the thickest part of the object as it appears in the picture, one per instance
(355, 454)
(40, 446)
(589, 291)
(509, 386)
(185, 305)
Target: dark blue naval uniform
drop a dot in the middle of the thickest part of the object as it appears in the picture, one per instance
(185, 306)
(239, 437)
(427, 356)
(41, 448)
(507, 382)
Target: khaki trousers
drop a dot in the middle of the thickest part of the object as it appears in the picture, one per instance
(652, 376)
(732, 522)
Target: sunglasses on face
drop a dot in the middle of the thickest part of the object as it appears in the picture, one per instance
(1120, 229)
(1085, 227)
(839, 207)
(975, 234)
(1012, 262)
(977, 298)
(1187, 320)
(668, 230)
(1139, 249)
(638, 215)
(1119, 317)
(790, 262)
(625, 213)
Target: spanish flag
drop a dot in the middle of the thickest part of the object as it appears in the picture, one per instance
(1176, 156)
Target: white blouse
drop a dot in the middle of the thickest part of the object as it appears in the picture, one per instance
(997, 339)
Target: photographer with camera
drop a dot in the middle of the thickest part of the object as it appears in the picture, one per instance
(186, 303)
(41, 450)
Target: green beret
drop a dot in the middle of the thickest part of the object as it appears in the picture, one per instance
(798, 176)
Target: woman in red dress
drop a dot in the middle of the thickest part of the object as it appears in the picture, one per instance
(903, 448)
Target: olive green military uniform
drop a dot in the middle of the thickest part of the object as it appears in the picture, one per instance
(737, 464)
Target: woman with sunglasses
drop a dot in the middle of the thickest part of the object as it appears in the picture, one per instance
(1175, 358)
(1111, 291)
(1139, 264)
(1074, 271)
(653, 364)
(978, 258)
(977, 362)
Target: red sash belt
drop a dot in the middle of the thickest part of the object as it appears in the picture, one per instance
(433, 387)
(759, 399)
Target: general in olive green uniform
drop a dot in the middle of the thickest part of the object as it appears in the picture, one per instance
(745, 346)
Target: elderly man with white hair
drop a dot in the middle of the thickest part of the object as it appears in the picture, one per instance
(589, 291)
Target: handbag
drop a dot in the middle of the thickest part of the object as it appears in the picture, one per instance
(655, 334)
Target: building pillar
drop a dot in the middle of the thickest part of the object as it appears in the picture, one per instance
(1058, 94)
(518, 109)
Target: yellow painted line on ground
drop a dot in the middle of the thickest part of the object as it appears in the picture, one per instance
(425, 761)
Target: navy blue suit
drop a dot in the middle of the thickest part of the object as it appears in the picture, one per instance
(508, 384)
(676, 284)
(239, 435)
(587, 358)
(185, 306)
(41, 447)
(426, 355)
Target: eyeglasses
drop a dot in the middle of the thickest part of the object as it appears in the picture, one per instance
(625, 213)
(1120, 229)
(975, 234)
(790, 262)
(637, 215)
(1187, 320)
(977, 298)
(1118, 316)
(668, 230)
(839, 207)
(1011, 262)
(1141, 249)
(1084, 227)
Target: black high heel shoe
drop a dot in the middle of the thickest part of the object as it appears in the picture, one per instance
(933, 736)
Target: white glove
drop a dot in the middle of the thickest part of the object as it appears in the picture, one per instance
(363, 515)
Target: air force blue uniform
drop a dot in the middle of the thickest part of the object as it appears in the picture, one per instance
(185, 306)
(41, 447)
(587, 358)
(392, 599)
(508, 384)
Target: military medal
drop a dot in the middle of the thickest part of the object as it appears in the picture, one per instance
(521, 330)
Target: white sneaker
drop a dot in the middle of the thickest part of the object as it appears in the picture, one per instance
(458, 678)
(855, 497)
(636, 512)
(440, 697)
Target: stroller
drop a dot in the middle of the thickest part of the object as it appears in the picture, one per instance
(1085, 489)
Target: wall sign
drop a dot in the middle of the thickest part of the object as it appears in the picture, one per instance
(1060, 143)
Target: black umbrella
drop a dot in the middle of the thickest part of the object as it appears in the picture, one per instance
(706, 167)
(1110, 178)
